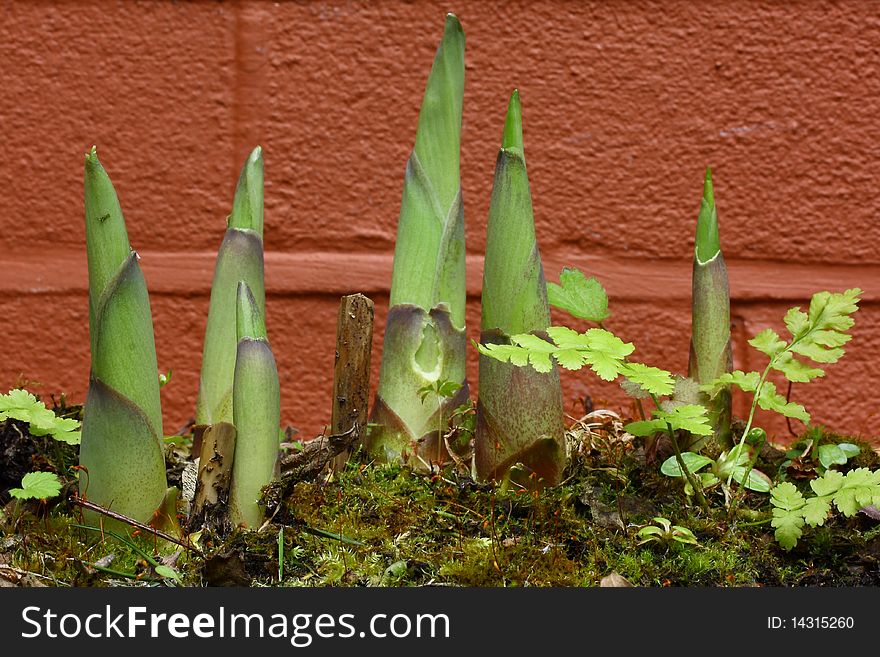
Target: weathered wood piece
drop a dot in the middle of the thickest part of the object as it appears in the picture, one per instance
(351, 373)
(215, 472)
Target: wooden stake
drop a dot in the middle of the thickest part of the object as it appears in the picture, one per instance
(351, 374)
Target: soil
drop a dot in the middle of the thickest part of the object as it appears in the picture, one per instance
(384, 525)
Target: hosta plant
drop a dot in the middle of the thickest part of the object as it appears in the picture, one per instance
(240, 259)
(711, 355)
(256, 409)
(675, 408)
(424, 335)
(121, 453)
(519, 412)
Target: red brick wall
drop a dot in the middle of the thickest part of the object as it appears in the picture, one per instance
(625, 103)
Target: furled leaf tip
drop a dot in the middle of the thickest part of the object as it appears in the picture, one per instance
(249, 321)
(708, 243)
(512, 138)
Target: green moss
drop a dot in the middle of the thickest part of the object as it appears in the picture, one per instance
(382, 525)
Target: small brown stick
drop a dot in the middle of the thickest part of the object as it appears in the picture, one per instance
(308, 462)
(351, 372)
(78, 501)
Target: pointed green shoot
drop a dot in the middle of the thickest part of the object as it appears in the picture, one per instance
(520, 413)
(512, 137)
(707, 241)
(710, 354)
(424, 337)
(121, 450)
(256, 404)
(240, 259)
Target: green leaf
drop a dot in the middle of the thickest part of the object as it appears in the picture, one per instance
(860, 488)
(816, 510)
(448, 389)
(745, 381)
(580, 296)
(21, 405)
(650, 379)
(691, 417)
(827, 484)
(650, 530)
(645, 427)
(756, 481)
(606, 353)
(787, 497)
(538, 350)
(692, 461)
(505, 353)
(788, 528)
(797, 322)
(768, 342)
(831, 455)
(770, 400)
(822, 335)
(787, 519)
(566, 338)
(683, 535)
(37, 485)
(849, 449)
(795, 370)
(708, 479)
(168, 572)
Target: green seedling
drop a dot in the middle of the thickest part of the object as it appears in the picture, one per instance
(847, 493)
(21, 405)
(665, 532)
(121, 455)
(37, 486)
(425, 332)
(727, 464)
(519, 412)
(256, 405)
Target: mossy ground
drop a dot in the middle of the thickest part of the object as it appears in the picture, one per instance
(383, 525)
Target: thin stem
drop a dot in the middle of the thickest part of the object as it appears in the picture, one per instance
(698, 489)
(788, 419)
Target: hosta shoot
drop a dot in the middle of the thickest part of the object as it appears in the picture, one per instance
(519, 413)
(240, 259)
(424, 336)
(123, 466)
(256, 405)
(609, 358)
(710, 353)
